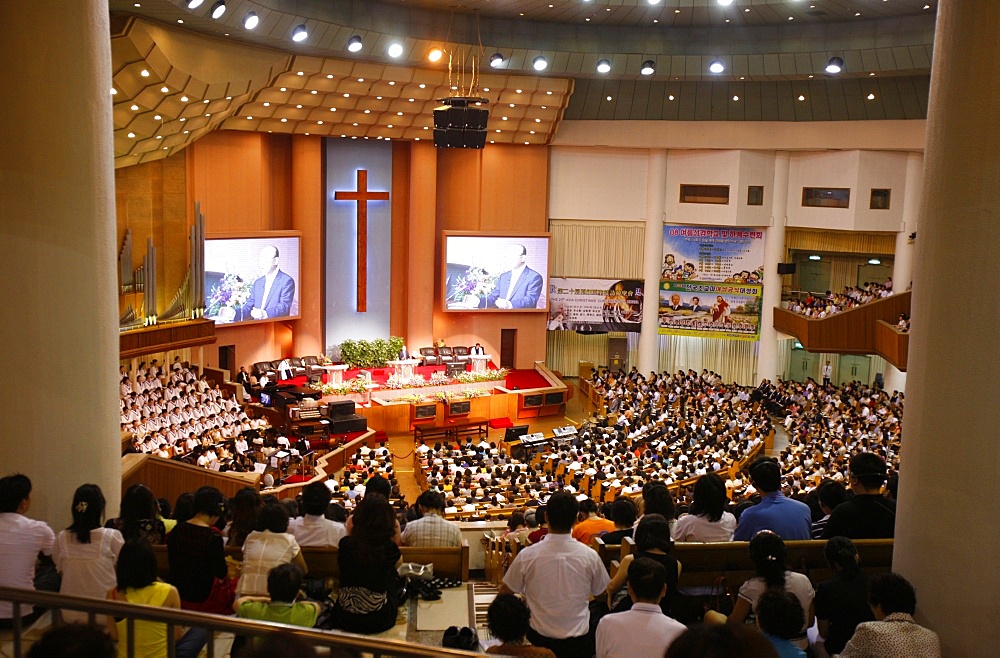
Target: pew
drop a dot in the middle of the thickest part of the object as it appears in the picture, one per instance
(452, 562)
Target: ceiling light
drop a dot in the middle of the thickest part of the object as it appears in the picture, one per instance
(218, 9)
(652, 2)
(815, 257)
(131, 135)
(194, 4)
(496, 60)
(144, 73)
(354, 44)
(394, 49)
(716, 67)
(871, 97)
(540, 63)
(736, 98)
(435, 54)
(801, 97)
(835, 65)
(874, 261)
(648, 67)
(603, 66)
(113, 91)
(725, 3)
(300, 34)
(165, 89)
(251, 20)
(134, 108)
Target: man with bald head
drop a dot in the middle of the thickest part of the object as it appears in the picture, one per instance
(273, 291)
(519, 286)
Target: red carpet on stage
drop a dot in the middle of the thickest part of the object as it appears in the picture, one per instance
(522, 379)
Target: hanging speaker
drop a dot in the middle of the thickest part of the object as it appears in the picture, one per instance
(460, 122)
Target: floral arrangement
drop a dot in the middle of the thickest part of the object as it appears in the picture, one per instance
(356, 385)
(476, 281)
(485, 376)
(396, 382)
(232, 293)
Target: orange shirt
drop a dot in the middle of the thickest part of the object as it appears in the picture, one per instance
(584, 531)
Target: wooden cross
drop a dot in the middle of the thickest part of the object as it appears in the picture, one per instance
(362, 196)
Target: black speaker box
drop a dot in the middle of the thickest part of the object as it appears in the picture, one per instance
(340, 408)
(348, 424)
(786, 268)
(460, 126)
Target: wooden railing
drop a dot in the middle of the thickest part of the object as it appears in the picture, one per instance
(166, 337)
(892, 344)
(847, 332)
(168, 478)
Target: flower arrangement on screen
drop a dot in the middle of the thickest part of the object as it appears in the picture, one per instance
(230, 293)
(476, 281)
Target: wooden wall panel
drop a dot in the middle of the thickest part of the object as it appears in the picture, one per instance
(306, 215)
(847, 332)
(514, 187)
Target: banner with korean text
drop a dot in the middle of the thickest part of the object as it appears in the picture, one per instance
(595, 304)
(711, 281)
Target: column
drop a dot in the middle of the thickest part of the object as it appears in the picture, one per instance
(58, 276)
(945, 545)
(656, 184)
(774, 251)
(902, 263)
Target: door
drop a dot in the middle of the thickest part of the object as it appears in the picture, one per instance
(802, 365)
(508, 343)
(854, 367)
(227, 360)
(814, 275)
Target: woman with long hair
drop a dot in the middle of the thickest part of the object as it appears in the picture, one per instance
(245, 506)
(842, 601)
(368, 559)
(708, 520)
(767, 550)
(652, 540)
(85, 553)
(197, 557)
(139, 516)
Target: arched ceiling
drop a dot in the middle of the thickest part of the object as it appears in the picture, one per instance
(774, 52)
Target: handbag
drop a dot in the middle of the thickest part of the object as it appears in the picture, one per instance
(722, 599)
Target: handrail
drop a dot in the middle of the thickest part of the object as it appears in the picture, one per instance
(213, 623)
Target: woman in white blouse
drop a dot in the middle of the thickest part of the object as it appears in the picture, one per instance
(707, 521)
(265, 548)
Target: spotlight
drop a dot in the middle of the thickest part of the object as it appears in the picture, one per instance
(603, 66)
(648, 67)
(251, 20)
(496, 60)
(394, 49)
(354, 44)
(300, 34)
(716, 67)
(218, 9)
(540, 63)
(435, 54)
(835, 65)
(725, 3)
(194, 4)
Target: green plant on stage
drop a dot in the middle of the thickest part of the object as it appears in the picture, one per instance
(361, 353)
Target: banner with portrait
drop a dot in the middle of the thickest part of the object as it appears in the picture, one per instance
(711, 281)
(595, 304)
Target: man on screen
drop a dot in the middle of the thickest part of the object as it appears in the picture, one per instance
(518, 287)
(273, 292)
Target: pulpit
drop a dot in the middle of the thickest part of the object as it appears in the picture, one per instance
(335, 374)
(480, 362)
(403, 368)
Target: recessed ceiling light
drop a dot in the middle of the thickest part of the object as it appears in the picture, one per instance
(815, 257)
(435, 54)
(298, 107)
(801, 97)
(300, 34)
(182, 119)
(368, 111)
(113, 91)
(716, 67)
(266, 104)
(347, 95)
(736, 98)
(394, 49)
(251, 20)
(135, 108)
(131, 135)
(249, 118)
(496, 60)
(538, 120)
(329, 76)
(607, 99)
(157, 117)
(539, 63)
(184, 99)
(194, 4)
(603, 66)
(670, 97)
(857, 13)
(871, 97)
(421, 85)
(835, 65)
(392, 82)
(218, 9)
(354, 44)
(180, 20)
(144, 73)
(283, 120)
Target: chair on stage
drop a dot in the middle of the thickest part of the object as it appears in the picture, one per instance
(430, 356)
(445, 355)
(462, 354)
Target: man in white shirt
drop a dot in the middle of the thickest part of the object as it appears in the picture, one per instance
(21, 540)
(643, 630)
(314, 529)
(557, 576)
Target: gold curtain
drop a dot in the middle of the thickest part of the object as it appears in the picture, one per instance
(850, 242)
(565, 349)
(733, 360)
(596, 249)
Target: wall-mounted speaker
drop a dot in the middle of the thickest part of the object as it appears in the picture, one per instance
(786, 268)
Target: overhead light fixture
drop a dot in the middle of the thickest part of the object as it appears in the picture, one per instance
(251, 20)
(218, 9)
(603, 66)
(435, 54)
(300, 34)
(815, 257)
(395, 49)
(540, 63)
(496, 60)
(648, 67)
(835, 65)
(874, 261)
(716, 67)
(354, 44)
(194, 4)
(725, 3)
